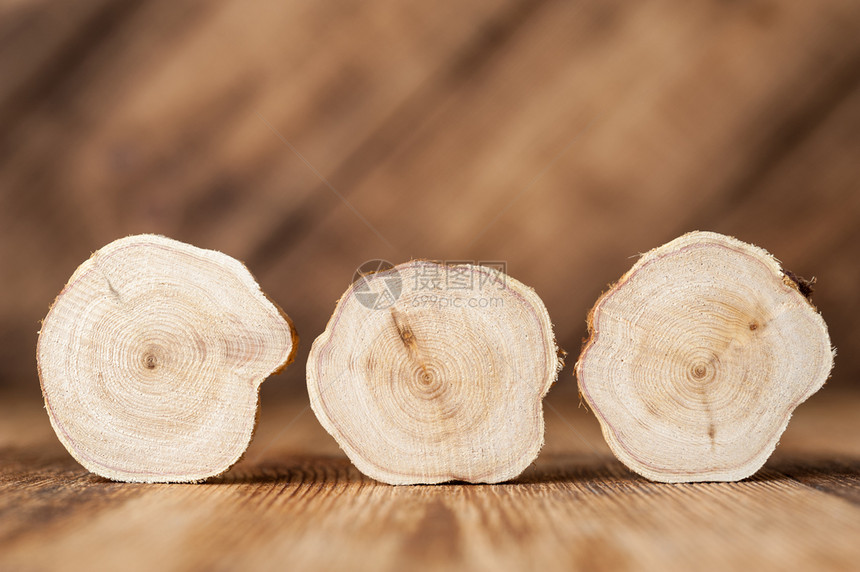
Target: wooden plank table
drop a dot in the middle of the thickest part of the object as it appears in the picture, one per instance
(295, 502)
(559, 137)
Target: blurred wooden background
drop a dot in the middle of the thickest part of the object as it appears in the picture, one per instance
(561, 137)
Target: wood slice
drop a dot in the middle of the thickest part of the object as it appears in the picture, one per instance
(151, 359)
(698, 356)
(429, 373)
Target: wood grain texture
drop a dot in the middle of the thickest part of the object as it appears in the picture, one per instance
(296, 501)
(589, 131)
(152, 356)
(697, 357)
(504, 128)
(428, 373)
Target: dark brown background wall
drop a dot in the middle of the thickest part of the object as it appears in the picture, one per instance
(561, 137)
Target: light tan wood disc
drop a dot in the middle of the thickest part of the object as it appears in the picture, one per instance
(151, 358)
(698, 356)
(425, 385)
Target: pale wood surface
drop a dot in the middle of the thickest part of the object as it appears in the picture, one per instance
(697, 357)
(443, 383)
(151, 360)
(295, 502)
